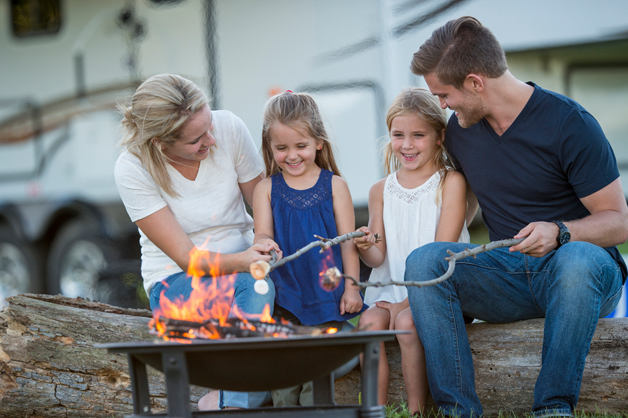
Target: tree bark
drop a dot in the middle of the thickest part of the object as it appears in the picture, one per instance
(507, 360)
(49, 367)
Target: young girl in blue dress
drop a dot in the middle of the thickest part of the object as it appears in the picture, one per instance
(422, 200)
(302, 196)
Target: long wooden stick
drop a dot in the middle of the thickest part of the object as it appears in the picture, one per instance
(260, 269)
(453, 257)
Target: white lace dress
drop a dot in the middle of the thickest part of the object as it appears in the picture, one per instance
(410, 221)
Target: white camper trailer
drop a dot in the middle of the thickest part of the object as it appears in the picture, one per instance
(65, 64)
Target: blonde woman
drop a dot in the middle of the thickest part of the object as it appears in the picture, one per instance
(182, 175)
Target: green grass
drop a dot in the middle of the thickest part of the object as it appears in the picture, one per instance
(402, 411)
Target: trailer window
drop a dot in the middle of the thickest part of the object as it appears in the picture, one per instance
(35, 17)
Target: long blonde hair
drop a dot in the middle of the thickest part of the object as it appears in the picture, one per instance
(299, 111)
(155, 115)
(424, 104)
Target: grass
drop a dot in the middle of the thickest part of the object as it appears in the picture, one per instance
(402, 411)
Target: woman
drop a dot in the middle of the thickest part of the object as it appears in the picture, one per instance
(182, 175)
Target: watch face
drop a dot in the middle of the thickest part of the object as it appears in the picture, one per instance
(564, 238)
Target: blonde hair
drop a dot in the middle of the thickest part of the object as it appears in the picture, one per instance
(423, 103)
(300, 112)
(155, 115)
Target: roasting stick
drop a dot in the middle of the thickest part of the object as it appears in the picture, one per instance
(260, 269)
(332, 277)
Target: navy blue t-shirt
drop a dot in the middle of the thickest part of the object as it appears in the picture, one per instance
(553, 154)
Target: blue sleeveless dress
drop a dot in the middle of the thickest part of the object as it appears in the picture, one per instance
(298, 215)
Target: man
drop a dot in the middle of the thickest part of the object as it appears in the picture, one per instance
(541, 169)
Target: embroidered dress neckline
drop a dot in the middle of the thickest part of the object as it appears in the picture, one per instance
(426, 184)
(285, 183)
(412, 195)
(303, 199)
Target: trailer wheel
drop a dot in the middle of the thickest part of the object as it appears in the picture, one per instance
(78, 255)
(20, 268)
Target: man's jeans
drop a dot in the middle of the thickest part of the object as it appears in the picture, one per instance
(248, 301)
(571, 288)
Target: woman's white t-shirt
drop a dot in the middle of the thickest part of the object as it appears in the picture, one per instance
(210, 208)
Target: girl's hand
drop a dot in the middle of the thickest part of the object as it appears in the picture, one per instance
(365, 242)
(350, 302)
(273, 245)
(393, 309)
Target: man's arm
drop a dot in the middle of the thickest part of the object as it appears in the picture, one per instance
(607, 225)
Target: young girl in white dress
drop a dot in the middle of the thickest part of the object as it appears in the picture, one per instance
(422, 200)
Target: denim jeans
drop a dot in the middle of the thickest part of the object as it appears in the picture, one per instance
(571, 288)
(180, 285)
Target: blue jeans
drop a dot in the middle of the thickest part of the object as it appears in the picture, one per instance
(571, 288)
(180, 285)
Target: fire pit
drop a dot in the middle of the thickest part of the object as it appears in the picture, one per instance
(256, 364)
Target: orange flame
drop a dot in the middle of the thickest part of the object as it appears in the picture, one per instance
(209, 299)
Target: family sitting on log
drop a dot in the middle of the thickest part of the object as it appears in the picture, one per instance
(536, 162)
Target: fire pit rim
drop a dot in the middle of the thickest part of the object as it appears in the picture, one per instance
(251, 343)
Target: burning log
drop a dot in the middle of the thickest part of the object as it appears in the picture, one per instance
(169, 328)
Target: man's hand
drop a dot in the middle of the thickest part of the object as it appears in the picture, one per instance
(540, 239)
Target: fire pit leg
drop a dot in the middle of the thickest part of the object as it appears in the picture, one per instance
(370, 366)
(323, 390)
(139, 386)
(177, 384)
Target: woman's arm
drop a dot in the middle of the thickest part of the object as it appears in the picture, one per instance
(248, 189)
(345, 223)
(163, 230)
(373, 253)
(454, 208)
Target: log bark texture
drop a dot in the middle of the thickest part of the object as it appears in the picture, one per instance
(507, 360)
(49, 367)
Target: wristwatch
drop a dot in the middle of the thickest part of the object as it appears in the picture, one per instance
(564, 236)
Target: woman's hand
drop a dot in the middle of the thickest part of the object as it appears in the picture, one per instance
(366, 242)
(350, 302)
(258, 252)
(393, 309)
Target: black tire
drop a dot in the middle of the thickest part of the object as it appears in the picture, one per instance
(21, 266)
(78, 255)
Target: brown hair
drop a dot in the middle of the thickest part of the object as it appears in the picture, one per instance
(424, 104)
(459, 48)
(300, 112)
(159, 109)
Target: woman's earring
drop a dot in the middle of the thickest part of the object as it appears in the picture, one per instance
(438, 143)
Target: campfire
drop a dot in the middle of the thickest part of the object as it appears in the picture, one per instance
(216, 354)
(209, 314)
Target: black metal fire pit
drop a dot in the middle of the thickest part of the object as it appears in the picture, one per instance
(256, 364)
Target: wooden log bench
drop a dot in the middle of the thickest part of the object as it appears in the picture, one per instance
(49, 367)
(507, 360)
